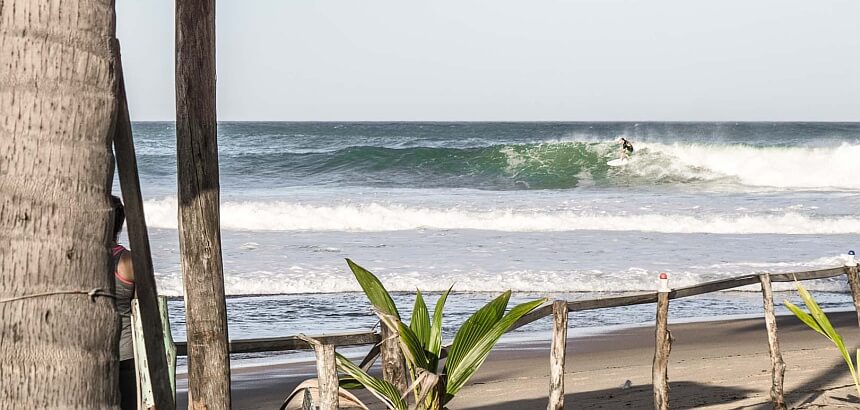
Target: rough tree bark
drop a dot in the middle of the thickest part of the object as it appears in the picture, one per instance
(57, 108)
(199, 197)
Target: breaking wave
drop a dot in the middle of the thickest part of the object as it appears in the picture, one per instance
(377, 217)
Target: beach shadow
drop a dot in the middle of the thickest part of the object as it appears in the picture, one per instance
(841, 321)
(682, 395)
(816, 387)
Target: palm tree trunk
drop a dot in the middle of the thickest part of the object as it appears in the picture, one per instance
(57, 106)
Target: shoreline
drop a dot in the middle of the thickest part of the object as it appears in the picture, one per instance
(720, 364)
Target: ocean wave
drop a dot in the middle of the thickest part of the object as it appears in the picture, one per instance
(559, 164)
(782, 167)
(378, 217)
(330, 279)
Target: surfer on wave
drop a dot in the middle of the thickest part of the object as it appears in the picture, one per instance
(626, 148)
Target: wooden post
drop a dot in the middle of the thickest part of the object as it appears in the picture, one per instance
(854, 283)
(557, 353)
(169, 346)
(327, 373)
(199, 215)
(777, 364)
(138, 238)
(659, 371)
(145, 397)
(328, 385)
(393, 366)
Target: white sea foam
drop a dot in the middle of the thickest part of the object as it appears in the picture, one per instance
(782, 167)
(376, 217)
(329, 279)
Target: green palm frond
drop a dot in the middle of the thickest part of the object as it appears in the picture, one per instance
(817, 320)
(434, 344)
(421, 344)
(460, 372)
(420, 322)
(475, 327)
(410, 345)
(382, 389)
(379, 297)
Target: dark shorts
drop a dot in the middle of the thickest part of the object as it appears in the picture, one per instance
(127, 385)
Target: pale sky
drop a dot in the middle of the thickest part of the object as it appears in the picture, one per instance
(506, 60)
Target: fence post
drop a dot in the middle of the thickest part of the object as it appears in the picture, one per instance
(777, 364)
(557, 353)
(393, 367)
(327, 377)
(659, 371)
(853, 282)
(327, 382)
(169, 346)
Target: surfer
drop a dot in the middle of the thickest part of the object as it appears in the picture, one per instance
(626, 148)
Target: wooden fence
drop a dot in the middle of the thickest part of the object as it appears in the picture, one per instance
(559, 310)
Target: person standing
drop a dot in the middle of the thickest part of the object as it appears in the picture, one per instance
(125, 292)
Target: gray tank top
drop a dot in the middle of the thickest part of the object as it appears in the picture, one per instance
(124, 294)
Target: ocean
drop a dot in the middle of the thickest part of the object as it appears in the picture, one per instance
(487, 207)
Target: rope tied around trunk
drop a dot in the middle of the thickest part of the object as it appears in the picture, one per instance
(92, 294)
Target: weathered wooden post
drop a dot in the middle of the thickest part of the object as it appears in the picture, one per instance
(327, 372)
(328, 385)
(777, 364)
(138, 238)
(557, 355)
(853, 282)
(659, 370)
(393, 366)
(169, 346)
(199, 213)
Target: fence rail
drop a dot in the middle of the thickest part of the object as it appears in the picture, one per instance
(283, 344)
(556, 396)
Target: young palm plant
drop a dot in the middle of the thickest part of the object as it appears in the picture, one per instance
(432, 384)
(817, 321)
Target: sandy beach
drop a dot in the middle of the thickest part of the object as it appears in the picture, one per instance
(714, 365)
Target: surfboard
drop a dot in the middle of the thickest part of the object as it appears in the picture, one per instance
(618, 162)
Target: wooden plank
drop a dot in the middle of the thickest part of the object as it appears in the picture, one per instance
(557, 355)
(282, 344)
(854, 284)
(199, 207)
(368, 360)
(169, 346)
(659, 370)
(536, 314)
(715, 286)
(145, 397)
(611, 302)
(138, 238)
(807, 275)
(777, 364)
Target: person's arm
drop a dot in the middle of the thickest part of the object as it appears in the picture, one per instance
(124, 268)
